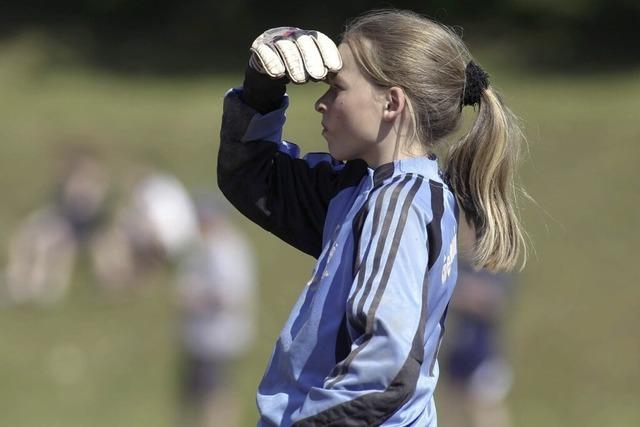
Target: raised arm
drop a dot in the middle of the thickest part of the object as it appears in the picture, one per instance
(263, 176)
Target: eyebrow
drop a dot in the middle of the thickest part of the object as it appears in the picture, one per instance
(333, 78)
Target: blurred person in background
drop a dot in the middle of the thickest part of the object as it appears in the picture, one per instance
(82, 193)
(41, 258)
(155, 224)
(475, 368)
(216, 286)
(43, 250)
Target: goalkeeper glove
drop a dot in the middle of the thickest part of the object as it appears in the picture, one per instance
(284, 54)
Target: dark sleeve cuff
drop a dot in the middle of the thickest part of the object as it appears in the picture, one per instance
(261, 92)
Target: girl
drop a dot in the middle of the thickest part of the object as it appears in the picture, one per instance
(360, 345)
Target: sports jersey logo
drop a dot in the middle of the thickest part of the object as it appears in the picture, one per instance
(448, 259)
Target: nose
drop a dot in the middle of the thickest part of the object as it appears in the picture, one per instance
(320, 105)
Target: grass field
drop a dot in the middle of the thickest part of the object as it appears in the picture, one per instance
(92, 361)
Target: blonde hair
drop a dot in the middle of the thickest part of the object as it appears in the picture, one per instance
(428, 60)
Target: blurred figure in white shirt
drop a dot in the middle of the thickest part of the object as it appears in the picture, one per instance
(216, 286)
(154, 225)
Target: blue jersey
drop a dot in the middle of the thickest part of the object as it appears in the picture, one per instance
(360, 345)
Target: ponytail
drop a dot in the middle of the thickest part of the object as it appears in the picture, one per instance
(480, 168)
(434, 67)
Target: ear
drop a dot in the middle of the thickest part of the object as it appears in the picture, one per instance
(394, 103)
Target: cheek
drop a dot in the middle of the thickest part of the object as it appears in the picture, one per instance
(347, 114)
(354, 127)
(359, 120)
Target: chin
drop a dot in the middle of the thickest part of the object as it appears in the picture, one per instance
(339, 156)
(339, 153)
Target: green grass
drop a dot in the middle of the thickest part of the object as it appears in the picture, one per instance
(105, 362)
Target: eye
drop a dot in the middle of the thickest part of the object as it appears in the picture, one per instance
(333, 84)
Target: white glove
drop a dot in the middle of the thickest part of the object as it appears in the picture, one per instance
(300, 55)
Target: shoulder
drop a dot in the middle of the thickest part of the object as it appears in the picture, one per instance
(421, 197)
(413, 188)
(402, 199)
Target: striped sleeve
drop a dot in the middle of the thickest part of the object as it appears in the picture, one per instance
(386, 310)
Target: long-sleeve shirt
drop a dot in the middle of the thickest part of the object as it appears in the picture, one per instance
(360, 345)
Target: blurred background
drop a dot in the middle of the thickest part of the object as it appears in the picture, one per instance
(116, 307)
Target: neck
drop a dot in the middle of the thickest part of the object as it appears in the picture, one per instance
(395, 149)
(393, 143)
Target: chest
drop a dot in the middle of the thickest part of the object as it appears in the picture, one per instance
(322, 303)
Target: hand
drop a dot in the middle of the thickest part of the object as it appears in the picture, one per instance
(296, 54)
(284, 54)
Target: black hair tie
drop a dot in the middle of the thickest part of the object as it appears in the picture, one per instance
(476, 81)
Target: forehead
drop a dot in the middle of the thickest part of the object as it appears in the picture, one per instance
(349, 68)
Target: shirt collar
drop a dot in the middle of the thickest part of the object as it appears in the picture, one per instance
(426, 166)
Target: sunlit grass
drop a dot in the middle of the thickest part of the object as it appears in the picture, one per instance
(570, 332)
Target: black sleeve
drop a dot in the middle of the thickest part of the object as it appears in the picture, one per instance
(286, 196)
(261, 92)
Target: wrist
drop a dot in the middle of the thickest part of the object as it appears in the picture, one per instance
(261, 92)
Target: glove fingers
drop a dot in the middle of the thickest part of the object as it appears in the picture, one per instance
(292, 59)
(255, 63)
(311, 56)
(329, 51)
(299, 54)
(265, 59)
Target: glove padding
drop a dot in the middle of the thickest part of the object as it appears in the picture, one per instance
(297, 54)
